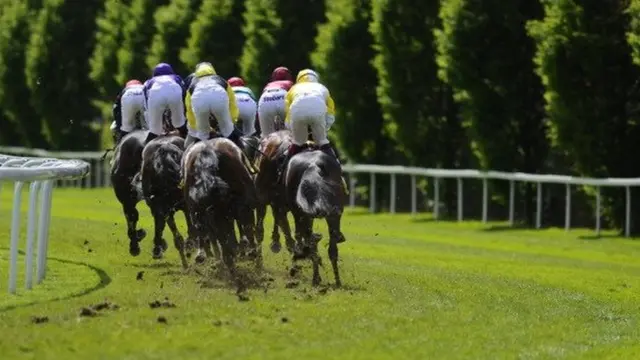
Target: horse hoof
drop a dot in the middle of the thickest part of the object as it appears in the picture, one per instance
(341, 239)
(316, 281)
(140, 234)
(164, 245)
(276, 247)
(157, 253)
(134, 250)
(316, 237)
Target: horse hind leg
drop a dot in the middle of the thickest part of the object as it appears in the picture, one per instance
(135, 235)
(280, 218)
(178, 240)
(159, 244)
(335, 237)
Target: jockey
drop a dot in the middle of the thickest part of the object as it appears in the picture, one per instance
(164, 91)
(271, 103)
(246, 102)
(127, 108)
(309, 105)
(210, 94)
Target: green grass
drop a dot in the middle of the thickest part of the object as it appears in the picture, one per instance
(414, 289)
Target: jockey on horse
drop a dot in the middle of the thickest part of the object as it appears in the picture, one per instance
(164, 91)
(271, 104)
(309, 105)
(127, 108)
(210, 95)
(247, 107)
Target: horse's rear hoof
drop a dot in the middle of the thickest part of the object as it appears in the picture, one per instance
(140, 234)
(341, 239)
(276, 247)
(157, 253)
(316, 237)
(134, 249)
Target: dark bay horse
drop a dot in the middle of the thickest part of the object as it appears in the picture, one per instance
(127, 161)
(160, 182)
(218, 190)
(314, 190)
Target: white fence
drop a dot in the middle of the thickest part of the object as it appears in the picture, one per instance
(41, 174)
(100, 178)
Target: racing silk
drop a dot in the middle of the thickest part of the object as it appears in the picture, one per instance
(219, 80)
(159, 78)
(244, 90)
(309, 89)
(116, 110)
(280, 84)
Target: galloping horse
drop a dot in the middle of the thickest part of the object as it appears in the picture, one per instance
(160, 187)
(314, 190)
(218, 190)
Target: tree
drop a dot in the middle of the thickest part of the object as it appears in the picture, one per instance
(486, 55)
(58, 81)
(278, 32)
(137, 33)
(216, 36)
(109, 36)
(418, 108)
(172, 29)
(26, 128)
(586, 67)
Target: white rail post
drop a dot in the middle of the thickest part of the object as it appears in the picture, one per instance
(567, 209)
(41, 174)
(414, 195)
(372, 193)
(436, 198)
(392, 194)
(512, 195)
(598, 211)
(485, 200)
(460, 200)
(539, 207)
(627, 215)
(352, 190)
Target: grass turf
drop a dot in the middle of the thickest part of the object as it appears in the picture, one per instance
(414, 288)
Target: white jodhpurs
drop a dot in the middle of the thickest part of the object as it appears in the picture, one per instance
(308, 112)
(207, 101)
(247, 108)
(164, 95)
(270, 106)
(132, 106)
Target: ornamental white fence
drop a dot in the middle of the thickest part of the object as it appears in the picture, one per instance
(40, 173)
(100, 178)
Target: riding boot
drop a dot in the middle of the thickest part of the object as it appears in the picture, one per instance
(150, 137)
(329, 150)
(182, 130)
(288, 154)
(235, 137)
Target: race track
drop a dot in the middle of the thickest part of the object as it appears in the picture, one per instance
(414, 289)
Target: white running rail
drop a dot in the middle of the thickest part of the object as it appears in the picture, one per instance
(101, 179)
(40, 173)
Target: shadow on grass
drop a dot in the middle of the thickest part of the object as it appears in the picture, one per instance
(105, 280)
(601, 237)
(156, 265)
(507, 227)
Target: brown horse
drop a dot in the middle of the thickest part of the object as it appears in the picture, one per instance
(127, 160)
(314, 190)
(160, 181)
(270, 191)
(218, 190)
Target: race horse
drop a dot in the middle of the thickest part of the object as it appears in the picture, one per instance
(219, 190)
(313, 181)
(160, 183)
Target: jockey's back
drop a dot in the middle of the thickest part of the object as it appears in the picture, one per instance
(244, 90)
(279, 84)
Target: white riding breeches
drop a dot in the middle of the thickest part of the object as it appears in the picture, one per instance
(270, 107)
(132, 106)
(164, 95)
(309, 111)
(210, 100)
(247, 108)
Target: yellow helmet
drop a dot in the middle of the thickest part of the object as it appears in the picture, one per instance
(204, 69)
(307, 75)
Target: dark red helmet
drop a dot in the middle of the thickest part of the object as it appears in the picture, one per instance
(236, 81)
(132, 82)
(281, 73)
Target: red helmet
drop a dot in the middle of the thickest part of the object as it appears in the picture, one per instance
(236, 81)
(133, 82)
(281, 73)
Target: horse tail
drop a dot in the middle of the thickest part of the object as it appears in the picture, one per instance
(165, 162)
(208, 186)
(317, 195)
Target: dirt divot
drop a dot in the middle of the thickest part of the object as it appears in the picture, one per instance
(39, 319)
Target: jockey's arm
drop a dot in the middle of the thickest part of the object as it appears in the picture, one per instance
(288, 99)
(331, 110)
(233, 106)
